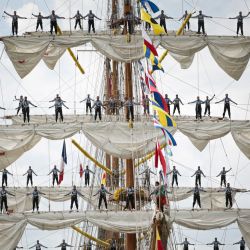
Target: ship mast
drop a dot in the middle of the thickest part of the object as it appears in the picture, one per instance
(130, 238)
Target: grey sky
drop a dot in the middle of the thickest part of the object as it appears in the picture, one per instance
(41, 85)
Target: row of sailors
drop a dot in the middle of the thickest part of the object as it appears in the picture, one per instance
(74, 193)
(55, 171)
(113, 106)
(185, 243)
(129, 18)
(147, 176)
(160, 193)
(215, 244)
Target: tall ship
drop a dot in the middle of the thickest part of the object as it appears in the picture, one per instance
(113, 139)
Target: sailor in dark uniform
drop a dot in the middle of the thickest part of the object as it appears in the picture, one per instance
(130, 198)
(216, 244)
(64, 245)
(102, 196)
(196, 198)
(5, 176)
(98, 108)
(3, 197)
(91, 20)
(26, 109)
(242, 244)
(30, 173)
(58, 108)
(78, 16)
(87, 172)
(228, 193)
(185, 244)
(39, 20)
(53, 21)
(38, 246)
(163, 18)
(74, 198)
(223, 173)
(184, 18)
(207, 105)
(20, 103)
(197, 175)
(201, 24)
(240, 22)
(88, 100)
(198, 108)
(175, 176)
(15, 18)
(55, 172)
(168, 101)
(176, 103)
(227, 101)
(35, 198)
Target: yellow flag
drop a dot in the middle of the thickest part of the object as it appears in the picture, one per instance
(155, 26)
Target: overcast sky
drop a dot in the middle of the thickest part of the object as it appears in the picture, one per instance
(42, 84)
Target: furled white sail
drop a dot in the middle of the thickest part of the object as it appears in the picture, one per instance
(116, 138)
(231, 54)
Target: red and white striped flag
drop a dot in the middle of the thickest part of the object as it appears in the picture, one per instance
(63, 162)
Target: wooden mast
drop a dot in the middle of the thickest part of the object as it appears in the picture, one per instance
(130, 238)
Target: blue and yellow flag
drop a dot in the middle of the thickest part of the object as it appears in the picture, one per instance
(155, 26)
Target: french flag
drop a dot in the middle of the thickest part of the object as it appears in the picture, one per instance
(63, 162)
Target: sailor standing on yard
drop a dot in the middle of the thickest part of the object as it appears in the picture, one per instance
(39, 20)
(102, 196)
(242, 244)
(198, 108)
(201, 23)
(26, 109)
(20, 103)
(35, 199)
(168, 101)
(87, 172)
(64, 245)
(207, 105)
(175, 176)
(58, 108)
(223, 173)
(5, 176)
(130, 198)
(184, 18)
(3, 197)
(78, 16)
(74, 198)
(197, 175)
(15, 18)
(185, 244)
(176, 103)
(91, 20)
(216, 244)
(30, 173)
(227, 101)
(240, 22)
(88, 100)
(98, 108)
(38, 246)
(196, 191)
(55, 172)
(163, 18)
(53, 21)
(129, 103)
(228, 193)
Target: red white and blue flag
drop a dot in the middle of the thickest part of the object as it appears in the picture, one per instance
(63, 162)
